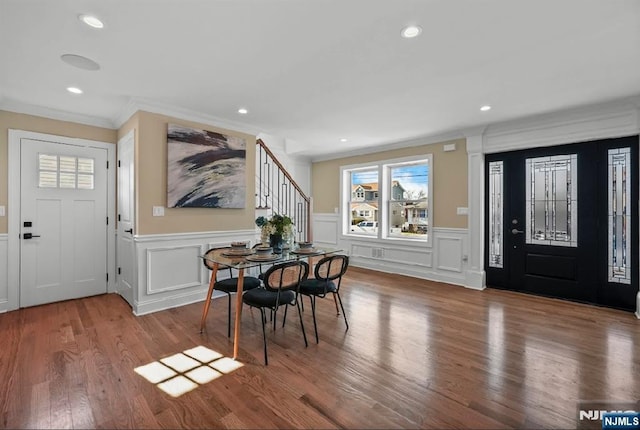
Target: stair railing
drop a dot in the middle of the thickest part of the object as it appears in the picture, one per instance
(278, 193)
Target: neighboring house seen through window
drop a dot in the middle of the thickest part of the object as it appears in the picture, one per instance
(388, 199)
(363, 200)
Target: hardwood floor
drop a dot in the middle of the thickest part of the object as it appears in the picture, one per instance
(418, 354)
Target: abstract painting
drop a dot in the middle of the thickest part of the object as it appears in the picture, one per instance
(205, 169)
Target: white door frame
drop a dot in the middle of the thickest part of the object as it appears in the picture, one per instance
(127, 267)
(13, 213)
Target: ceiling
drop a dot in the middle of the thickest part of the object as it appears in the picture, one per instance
(316, 72)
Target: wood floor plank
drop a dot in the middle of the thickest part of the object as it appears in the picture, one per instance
(418, 354)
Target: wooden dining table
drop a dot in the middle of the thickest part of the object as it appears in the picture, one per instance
(225, 257)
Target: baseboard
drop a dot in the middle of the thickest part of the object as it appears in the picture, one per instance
(174, 301)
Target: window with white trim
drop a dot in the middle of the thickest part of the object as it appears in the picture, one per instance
(362, 200)
(389, 199)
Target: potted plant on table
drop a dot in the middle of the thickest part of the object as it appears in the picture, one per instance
(275, 229)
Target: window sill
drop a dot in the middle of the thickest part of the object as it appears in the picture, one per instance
(410, 242)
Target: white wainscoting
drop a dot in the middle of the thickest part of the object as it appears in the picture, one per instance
(170, 271)
(4, 280)
(184, 263)
(444, 261)
(325, 230)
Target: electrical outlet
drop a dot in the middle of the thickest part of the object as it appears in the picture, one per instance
(2, 211)
(158, 211)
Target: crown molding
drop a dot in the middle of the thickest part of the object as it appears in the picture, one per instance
(583, 123)
(418, 141)
(125, 113)
(577, 113)
(474, 131)
(12, 105)
(136, 104)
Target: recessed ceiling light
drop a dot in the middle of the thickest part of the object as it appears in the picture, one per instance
(243, 111)
(91, 21)
(485, 108)
(74, 90)
(343, 140)
(411, 31)
(80, 62)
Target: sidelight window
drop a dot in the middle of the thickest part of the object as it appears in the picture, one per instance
(552, 200)
(496, 175)
(619, 215)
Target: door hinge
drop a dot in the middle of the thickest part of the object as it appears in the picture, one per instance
(107, 220)
(119, 270)
(107, 277)
(107, 164)
(118, 217)
(118, 163)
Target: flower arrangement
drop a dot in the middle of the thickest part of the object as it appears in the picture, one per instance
(277, 224)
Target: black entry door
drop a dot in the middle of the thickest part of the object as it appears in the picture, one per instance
(562, 221)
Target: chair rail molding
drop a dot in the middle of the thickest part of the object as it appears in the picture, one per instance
(170, 272)
(444, 261)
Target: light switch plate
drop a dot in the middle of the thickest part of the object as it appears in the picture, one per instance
(463, 211)
(3, 211)
(158, 211)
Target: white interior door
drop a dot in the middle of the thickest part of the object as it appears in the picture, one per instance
(63, 221)
(126, 257)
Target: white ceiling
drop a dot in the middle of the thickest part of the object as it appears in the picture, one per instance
(313, 72)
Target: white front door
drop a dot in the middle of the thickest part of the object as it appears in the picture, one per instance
(125, 255)
(63, 221)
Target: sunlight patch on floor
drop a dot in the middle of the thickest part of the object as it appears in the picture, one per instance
(185, 371)
(180, 362)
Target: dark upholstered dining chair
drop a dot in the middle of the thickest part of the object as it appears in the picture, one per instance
(327, 278)
(230, 284)
(281, 284)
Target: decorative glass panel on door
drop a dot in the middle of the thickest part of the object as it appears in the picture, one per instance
(85, 173)
(495, 214)
(619, 215)
(65, 172)
(552, 200)
(47, 171)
